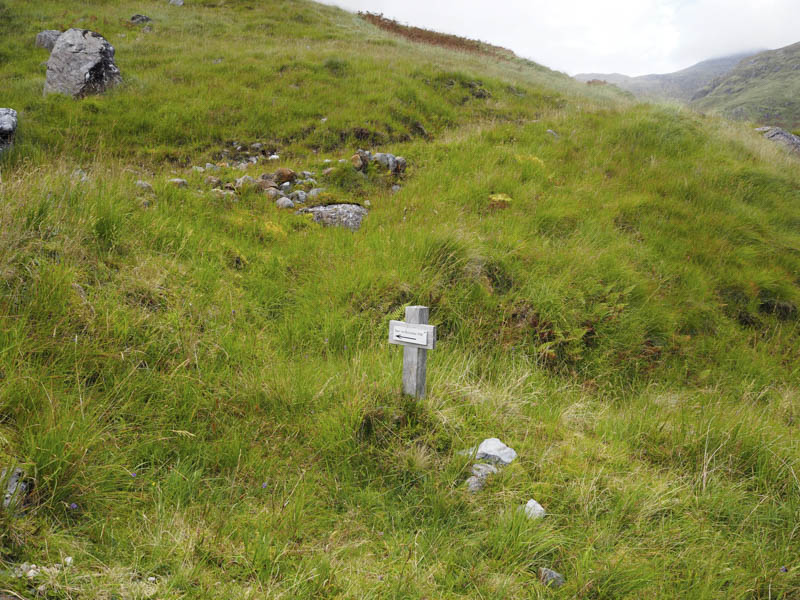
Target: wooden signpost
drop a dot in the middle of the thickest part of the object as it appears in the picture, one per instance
(416, 337)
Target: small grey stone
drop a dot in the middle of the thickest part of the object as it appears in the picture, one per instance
(140, 19)
(553, 133)
(224, 194)
(197, 169)
(476, 484)
(551, 578)
(8, 127)
(299, 197)
(257, 146)
(284, 203)
(315, 192)
(306, 174)
(534, 510)
(311, 181)
(244, 181)
(143, 185)
(483, 470)
(396, 188)
(286, 186)
(47, 39)
(176, 2)
(81, 63)
(211, 167)
(178, 182)
(147, 29)
(273, 193)
(17, 486)
(80, 176)
(495, 451)
(401, 165)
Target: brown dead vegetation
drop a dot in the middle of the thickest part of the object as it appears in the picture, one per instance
(426, 36)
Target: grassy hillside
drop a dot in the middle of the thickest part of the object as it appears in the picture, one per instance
(202, 388)
(764, 89)
(681, 85)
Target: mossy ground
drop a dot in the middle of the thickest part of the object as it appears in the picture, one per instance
(203, 390)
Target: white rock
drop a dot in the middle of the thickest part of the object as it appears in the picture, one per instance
(68, 561)
(178, 182)
(151, 579)
(274, 157)
(495, 451)
(534, 510)
(144, 186)
(483, 470)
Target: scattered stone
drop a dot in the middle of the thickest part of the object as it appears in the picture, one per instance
(143, 185)
(298, 197)
(147, 29)
(315, 192)
(360, 160)
(244, 181)
(197, 169)
(81, 63)
(286, 187)
(140, 19)
(284, 203)
(553, 133)
(273, 193)
(273, 157)
(284, 175)
(224, 194)
(396, 188)
(781, 136)
(307, 174)
(534, 510)
(47, 39)
(80, 176)
(328, 171)
(213, 182)
(551, 578)
(178, 182)
(495, 451)
(211, 167)
(17, 487)
(176, 2)
(338, 215)
(8, 127)
(68, 561)
(480, 473)
(401, 165)
(258, 146)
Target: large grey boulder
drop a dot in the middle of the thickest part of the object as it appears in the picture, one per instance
(47, 38)
(338, 215)
(81, 63)
(781, 136)
(8, 127)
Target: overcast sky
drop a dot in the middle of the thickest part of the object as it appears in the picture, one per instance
(634, 37)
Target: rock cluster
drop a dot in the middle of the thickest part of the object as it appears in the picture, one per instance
(81, 63)
(781, 136)
(8, 127)
(47, 39)
(389, 162)
(494, 452)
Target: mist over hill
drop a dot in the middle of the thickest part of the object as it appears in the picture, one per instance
(764, 88)
(681, 85)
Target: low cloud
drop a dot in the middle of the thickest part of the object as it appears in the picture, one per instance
(627, 36)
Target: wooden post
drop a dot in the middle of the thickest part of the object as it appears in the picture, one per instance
(415, 360)
(416, 337)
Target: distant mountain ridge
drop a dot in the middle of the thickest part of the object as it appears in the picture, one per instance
(682, 85)
(764, 88)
